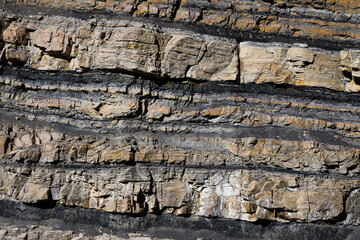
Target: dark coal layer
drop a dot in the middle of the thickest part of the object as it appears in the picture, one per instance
(164, 226)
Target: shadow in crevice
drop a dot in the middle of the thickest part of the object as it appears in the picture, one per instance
(47, 204)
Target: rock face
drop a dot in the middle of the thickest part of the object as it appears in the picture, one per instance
(56, 231)
(215, 113)
(56, 43)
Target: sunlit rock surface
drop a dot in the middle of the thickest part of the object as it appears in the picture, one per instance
(179, 119)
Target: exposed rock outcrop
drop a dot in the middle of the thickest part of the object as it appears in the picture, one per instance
(232, 110)
(56, 43)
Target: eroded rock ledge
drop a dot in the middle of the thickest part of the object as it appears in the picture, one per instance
(180, 148)
(63, 44)
(330, 20)
(127, 119)
(79, 223)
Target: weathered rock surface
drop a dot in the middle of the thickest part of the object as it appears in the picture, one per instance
(56, 43)
(140, 172)
(334, 20)
(236, 194)
(39, 232)
(188, 119)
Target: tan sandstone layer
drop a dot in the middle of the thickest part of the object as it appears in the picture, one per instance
(334, 20)
(123, 117)
(56, 43)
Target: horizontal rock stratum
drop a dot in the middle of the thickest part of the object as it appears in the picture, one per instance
(179, 119)
(63, 44)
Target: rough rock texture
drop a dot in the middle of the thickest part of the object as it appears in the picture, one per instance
(334, 20)
(58, 43)
(240, 114)
(35, 232)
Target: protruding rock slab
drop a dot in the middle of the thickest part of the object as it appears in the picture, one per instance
(61, 44)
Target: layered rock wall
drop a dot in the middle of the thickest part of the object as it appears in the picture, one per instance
(243, 111)
(334, 20)
(62, 44)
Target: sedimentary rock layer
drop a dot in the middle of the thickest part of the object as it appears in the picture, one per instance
(140, 149)
(332, 20)
(124, 118)
(63, 44)
(79, 223)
